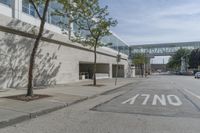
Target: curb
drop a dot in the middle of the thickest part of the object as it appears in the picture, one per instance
(45, 111)
(14, 121)
(29, 116)
(119, 87)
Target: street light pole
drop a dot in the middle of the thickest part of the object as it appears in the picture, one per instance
(118, 60)
(145, 63)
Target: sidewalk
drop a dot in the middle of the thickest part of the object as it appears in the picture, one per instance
(14, 111)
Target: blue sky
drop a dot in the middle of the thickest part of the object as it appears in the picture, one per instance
(155, 21)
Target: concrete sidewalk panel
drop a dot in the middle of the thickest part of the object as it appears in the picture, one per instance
(66, 99)
(62, 96)
(33, 108)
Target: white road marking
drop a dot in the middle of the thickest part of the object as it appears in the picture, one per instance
(175, 103)
(161, 99)
(197, 96)
(146, 98)
(172, 99)
(131, 100)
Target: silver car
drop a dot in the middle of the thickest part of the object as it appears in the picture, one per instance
(197, 75)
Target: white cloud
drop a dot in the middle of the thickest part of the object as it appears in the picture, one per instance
(157, 21)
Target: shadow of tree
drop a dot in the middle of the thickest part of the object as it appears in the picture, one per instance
(14, 59)
(46, 69)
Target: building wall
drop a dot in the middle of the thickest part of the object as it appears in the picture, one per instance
(57, 60)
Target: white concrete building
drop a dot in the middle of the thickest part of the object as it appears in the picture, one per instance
(58, 60)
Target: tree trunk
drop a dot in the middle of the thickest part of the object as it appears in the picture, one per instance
(116, 74)
(94, 67)
(69, 28)
(142, 71)
(69, 22)
(34, 51)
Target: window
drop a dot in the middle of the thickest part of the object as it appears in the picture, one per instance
(55, 19)
(6, 2)
(28, 8)
(50, 18)
(117, 44)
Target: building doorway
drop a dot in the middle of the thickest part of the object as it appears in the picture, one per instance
(120, 71)
(86, 71)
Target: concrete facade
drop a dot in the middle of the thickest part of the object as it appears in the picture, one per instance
(57, 60)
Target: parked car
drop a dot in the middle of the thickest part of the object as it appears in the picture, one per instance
(197, 75)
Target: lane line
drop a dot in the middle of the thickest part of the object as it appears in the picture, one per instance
(197, 96)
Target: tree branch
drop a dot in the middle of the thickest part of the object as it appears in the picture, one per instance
(36, 9)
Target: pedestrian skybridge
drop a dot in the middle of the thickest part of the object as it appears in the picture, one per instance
(164, 49)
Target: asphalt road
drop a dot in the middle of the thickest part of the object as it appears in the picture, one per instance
(158, 96)
(158, 104)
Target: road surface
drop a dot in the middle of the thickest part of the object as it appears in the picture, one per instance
(158, 104)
